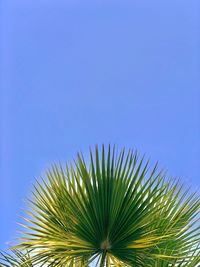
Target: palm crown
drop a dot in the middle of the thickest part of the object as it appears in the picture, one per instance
(116, 211)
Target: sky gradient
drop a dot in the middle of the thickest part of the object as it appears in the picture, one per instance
(79, 73)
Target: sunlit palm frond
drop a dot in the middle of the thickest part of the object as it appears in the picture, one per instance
(116, 211)
(15, 259)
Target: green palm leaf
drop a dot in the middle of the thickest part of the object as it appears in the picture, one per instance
(115, 211)
(15, 259)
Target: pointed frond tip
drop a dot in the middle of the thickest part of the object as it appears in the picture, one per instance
(113, 210)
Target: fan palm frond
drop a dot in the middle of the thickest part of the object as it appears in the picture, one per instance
(116, 211)
(15, 259)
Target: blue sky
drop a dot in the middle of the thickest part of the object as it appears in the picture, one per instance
(78, 73)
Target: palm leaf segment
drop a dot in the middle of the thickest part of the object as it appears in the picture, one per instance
(15, 259)
(114, 212)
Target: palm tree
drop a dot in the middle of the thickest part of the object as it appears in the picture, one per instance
(116, 211)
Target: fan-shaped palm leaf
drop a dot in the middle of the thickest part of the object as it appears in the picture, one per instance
(115, 211)
(15, 259)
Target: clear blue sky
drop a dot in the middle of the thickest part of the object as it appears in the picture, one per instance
(76, 73)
